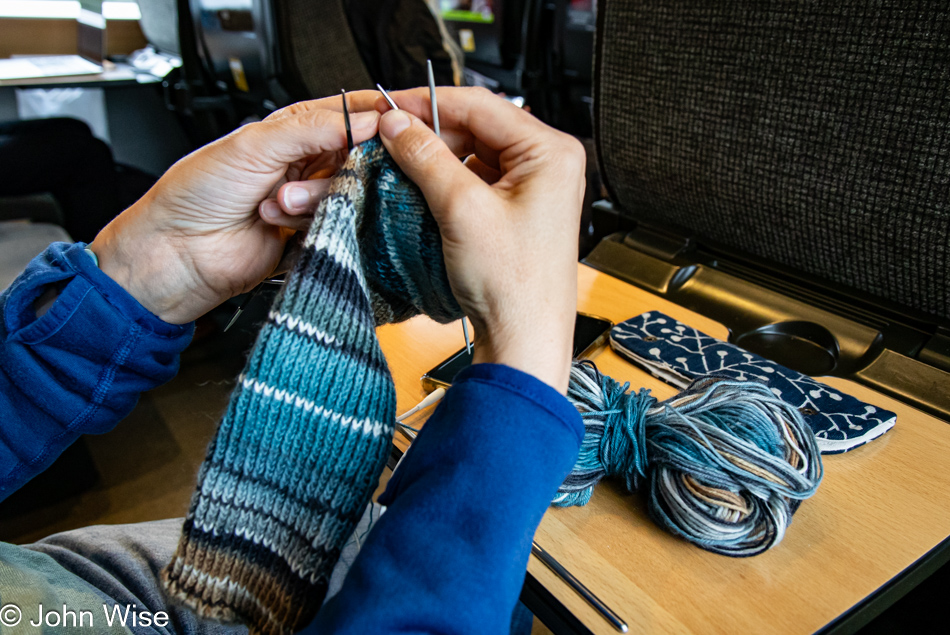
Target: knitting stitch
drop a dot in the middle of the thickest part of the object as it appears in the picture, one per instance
(309, 425)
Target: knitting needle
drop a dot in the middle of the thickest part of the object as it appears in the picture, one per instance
(434, 104)
(468, 343)
(389, 100)
(435, 126)
(240, 309)
(257, 289)
(346, 121)
(565, 575)
(249, 298)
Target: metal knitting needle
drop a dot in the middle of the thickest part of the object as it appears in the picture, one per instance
(240, 309)
(346, 121)
(435, 125)
(257, 289)
(408, 432)
(249, 298)
(615, 620)
(389, 100)
(434, 104)
(468, 343)
(432, 100)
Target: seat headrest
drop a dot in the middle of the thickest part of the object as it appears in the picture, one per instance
(814, 135)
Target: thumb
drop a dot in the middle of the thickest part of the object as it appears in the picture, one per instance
(426, 160)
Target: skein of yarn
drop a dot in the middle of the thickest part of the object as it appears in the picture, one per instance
(726, 462)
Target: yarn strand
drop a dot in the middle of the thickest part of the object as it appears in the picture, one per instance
(726, 462)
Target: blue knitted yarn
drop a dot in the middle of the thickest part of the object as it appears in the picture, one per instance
(400, 245)
(727, 462)
(309, 426)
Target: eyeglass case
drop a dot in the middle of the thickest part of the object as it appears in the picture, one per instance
(677, 354)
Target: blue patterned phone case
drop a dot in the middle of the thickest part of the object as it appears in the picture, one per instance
(677, 354)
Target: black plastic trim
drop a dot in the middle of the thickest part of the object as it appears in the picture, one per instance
(878, 348)
(596, 95)
(549, 609)
(897, 587)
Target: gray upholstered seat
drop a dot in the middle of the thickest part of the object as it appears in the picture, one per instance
(20, 242)
(813, 135)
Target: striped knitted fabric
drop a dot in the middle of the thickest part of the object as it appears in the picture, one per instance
(309, 425)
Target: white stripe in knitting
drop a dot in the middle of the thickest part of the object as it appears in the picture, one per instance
(335, 247)
(333, 241)
(296, 324)
(335, 208)
(292, 323)
(311, 573)
(367, 425)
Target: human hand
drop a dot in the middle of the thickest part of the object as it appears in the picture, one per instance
(198, 236)
(509, 217)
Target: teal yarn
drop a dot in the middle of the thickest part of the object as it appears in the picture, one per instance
(726, 463)
(309, 426)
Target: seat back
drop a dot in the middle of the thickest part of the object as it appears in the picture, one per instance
(318, 53)
(812, 135)
(159, 23)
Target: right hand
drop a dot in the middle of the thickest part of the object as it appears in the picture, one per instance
(509, 218)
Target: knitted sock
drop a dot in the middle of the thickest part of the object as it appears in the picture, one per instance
(309, 426)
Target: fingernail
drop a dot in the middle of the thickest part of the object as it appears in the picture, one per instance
(393, 123)
(364, 119)
(270, 209)
(296, 197)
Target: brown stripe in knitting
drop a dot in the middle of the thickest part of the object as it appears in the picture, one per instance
(270, 594)
(228, 590)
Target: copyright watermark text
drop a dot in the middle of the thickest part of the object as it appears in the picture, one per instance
(125, 615)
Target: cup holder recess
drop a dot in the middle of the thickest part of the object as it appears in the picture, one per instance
(804, 346)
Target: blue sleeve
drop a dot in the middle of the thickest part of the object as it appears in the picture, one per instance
(449, 554)
(80, 367)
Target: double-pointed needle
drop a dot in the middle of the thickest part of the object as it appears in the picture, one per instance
(435, 126)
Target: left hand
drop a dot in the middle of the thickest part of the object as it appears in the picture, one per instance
(197, 237)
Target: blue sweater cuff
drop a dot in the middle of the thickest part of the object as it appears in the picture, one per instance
(524, 392)
(463, 507)
(63, 262)
(80, 367)
(529, 388)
